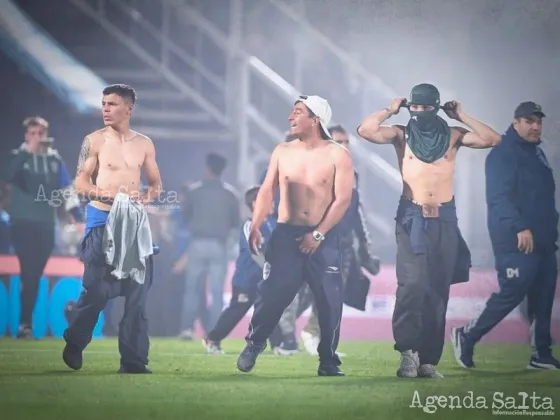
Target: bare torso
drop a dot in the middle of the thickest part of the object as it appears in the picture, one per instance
(427, 183)
(306, 182)
(119, 163)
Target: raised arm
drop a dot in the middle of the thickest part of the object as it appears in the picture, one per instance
(371, 129)
(265, 197)
(482, 135)
(151, 171)
(87, 167)
(343, 187)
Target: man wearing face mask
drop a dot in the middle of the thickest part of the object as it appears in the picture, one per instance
(37, 175)
(431, 253)
(522, 222)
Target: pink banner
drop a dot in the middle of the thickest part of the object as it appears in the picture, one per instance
(465, 302)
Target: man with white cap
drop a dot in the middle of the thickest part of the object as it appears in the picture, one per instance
(315, 177)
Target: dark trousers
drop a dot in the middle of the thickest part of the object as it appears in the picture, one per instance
(33, 244)
(100, 286)
(519, 276)
(284, 272)
(423, 283)
(240, 303)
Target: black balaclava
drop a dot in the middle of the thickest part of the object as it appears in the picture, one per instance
(427, 134)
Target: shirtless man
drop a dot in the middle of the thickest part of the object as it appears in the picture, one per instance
(431, 253)
(315, 177)
(110, 162)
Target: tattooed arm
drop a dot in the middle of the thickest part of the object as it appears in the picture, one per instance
(86, 172)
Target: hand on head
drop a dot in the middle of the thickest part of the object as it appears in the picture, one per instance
(452, 109)
(396, 105)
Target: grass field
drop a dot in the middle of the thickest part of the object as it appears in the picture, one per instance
(189, 384)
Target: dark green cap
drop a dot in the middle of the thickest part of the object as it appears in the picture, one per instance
(424, 94)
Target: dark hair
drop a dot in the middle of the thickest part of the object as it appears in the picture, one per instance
(337, 129)
(311, 114)
(124, 91)
(35, 122)
(324, 135)
(251, 196)
(216, 163)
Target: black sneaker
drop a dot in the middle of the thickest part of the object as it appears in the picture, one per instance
(548, 362)
(248, 357)
(24, 332)
(329, 370)
(72, 356)
(134, 370)
(463, 348)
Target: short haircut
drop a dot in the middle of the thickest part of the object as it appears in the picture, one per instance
(311, 114)
(35, 122)
(251, 196)
(124, 91)
(337, 129)
(216, 163)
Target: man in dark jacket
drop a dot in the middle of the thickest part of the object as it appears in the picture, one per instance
(212, 213)
(522, 222)
(39, 184)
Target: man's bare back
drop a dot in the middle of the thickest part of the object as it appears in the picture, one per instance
(427, 183)
(114, 164)
(306, 181)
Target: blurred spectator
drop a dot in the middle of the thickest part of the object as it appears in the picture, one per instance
(211, 212)
(38, 178)
(181, 234)
(180, 255)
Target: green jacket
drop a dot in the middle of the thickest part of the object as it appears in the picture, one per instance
(38, 182)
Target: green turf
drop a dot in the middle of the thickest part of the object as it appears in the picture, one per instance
(188, 384)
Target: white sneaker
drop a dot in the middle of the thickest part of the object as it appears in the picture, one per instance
(339, 354)
(211, 347)
(310, 342)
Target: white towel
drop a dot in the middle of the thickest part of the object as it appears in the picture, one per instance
(127, 240)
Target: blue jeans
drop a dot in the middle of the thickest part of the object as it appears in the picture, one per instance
(207, 262)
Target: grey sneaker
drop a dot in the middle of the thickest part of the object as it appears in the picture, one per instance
(248, 357)
(409, 365)
(429, 371)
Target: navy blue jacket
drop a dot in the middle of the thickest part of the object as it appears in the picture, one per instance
(248, 272)
(520, 195)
